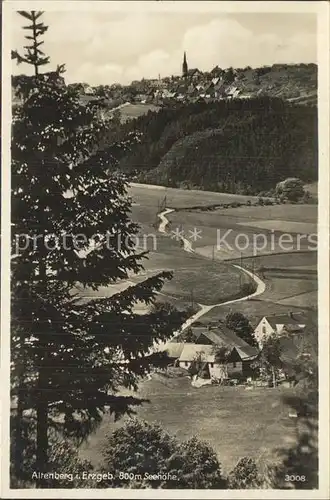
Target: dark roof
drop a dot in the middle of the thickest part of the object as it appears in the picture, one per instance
(193, 70)
(290, 346)
(223, 336)
(286, 319)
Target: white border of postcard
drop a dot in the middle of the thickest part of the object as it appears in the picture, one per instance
(321, 8)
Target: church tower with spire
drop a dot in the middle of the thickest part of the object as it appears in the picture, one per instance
(184, 66)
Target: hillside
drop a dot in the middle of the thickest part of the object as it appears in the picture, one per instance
(242, 146)
(292, 82)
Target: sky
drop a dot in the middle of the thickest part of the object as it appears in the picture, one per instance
(118, 47)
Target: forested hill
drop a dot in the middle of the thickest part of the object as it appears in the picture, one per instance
(243, 146)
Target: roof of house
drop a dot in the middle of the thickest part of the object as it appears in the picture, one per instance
(289, 349)
(173, 349)
(285, 319)
(86, 98)
(193, 71)
(190, 351)
(223, 336)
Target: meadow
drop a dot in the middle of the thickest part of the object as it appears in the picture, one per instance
(235, 421)
(151, 195)
(290, 276)
(131, 110)
(208, 277)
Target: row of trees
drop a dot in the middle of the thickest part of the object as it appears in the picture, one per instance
(236, 322)
(244, 146)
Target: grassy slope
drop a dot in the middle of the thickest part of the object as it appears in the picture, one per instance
(151, 196)
(206, 281)
(296, 82)
(213, 414)
(291, 285)
(195, 278)
(217, 224)
(132, 111)
(209, 286)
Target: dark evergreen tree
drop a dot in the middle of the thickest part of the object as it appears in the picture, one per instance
(245, 475)
(33, 54)
(241, 326)
(70, 227)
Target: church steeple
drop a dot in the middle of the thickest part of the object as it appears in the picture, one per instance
(184, 66)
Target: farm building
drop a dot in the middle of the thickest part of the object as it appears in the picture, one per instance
(278, 324)
(173, 349)
(205, 345)
(237, 362)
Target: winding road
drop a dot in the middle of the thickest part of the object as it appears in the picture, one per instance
(187, 247)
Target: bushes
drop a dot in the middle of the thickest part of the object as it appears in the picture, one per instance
(142, 449)
(245, 475)
(291, 188)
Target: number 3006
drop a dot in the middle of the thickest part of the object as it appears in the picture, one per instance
(295, 478)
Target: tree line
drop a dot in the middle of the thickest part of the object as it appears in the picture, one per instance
(242, 145)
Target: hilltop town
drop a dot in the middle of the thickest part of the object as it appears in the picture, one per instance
(294, 82)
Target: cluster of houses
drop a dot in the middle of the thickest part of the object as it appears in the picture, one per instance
(211, 340)
(193, 86)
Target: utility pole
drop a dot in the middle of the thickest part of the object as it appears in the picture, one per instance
(240, 275)
(192, 297)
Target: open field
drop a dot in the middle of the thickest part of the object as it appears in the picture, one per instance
(290, 277)
(194, 281)
(131, 110)
(286, 212)
(236, 422)
(299, 261)
(291, 285)
(182, 198)
(203, 282)
(208, 277)
(285, 226)
(253, 309)
(223, 237)
(301, 300)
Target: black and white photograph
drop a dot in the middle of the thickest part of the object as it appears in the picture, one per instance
(165, 250)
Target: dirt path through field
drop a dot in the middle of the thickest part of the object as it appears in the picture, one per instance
(187, 247)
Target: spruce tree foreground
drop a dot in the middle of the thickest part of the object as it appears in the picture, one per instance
(70, 357)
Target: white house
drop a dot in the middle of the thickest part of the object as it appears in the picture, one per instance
(191, 352)
(206, 354)
(233, 92)
(278, 324)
